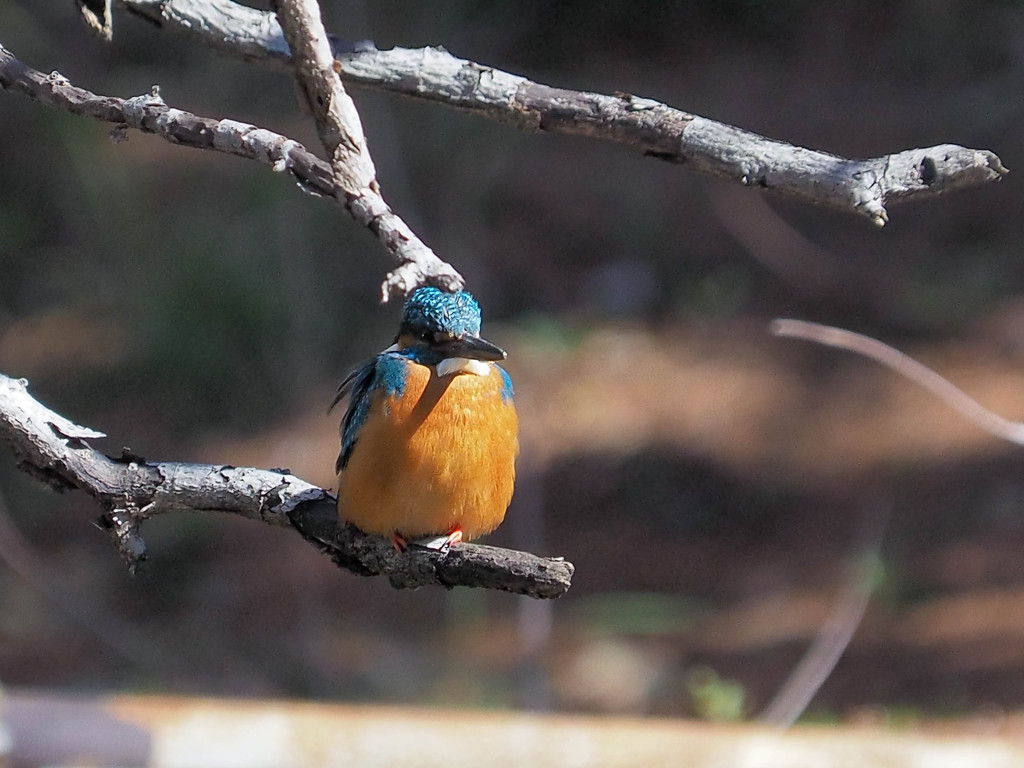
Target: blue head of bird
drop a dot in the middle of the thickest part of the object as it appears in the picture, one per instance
(437, 326)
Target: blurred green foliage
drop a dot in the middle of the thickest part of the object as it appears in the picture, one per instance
(637, 613)
(716, 698)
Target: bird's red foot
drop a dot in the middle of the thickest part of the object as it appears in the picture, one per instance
(440, 543)
(454, 537)
(398, 542)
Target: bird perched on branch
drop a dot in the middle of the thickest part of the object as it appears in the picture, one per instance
(428, 441)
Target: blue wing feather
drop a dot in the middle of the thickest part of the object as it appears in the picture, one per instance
(356, 387)
(507, 390)
(387, 372)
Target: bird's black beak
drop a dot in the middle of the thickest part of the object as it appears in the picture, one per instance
(472, 347)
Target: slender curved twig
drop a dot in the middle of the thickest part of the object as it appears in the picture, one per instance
(894, 360)
(118, 637)
(834, 636)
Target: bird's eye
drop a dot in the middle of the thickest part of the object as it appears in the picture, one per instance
(425, 336)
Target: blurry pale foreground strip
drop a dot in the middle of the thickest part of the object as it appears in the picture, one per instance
(192, 733)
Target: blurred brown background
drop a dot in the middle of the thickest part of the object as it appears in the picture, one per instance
(711, 483)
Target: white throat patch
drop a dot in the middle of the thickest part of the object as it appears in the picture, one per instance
(462, 365)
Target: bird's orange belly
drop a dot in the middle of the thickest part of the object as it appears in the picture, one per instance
(440, 457)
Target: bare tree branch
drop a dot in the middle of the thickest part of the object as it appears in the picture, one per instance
(862, 186)
(834, 636)
(97, 17)
(337, 120)
(907, 367)
(130, 490)
(118, 636)
(418, 265)
(341, 133)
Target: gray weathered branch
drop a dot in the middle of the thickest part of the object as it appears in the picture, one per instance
(418, 265)
(337, 121)
(655, 129)
(130, 490)
(341, 133)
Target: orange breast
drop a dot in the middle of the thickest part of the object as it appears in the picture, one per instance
(440, 457)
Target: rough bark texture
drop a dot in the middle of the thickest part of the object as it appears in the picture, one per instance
(130, 490)
(648, 126)
(97, 17)
(337, 121)
(341, 133)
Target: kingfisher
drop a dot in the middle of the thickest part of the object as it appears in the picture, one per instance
(429, 437)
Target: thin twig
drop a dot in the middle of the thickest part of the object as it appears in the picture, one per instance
(131, 490)
(835, 635)
(864, 186)
(907, 367)
(120, 638)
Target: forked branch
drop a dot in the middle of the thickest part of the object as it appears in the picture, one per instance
(418, 265)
